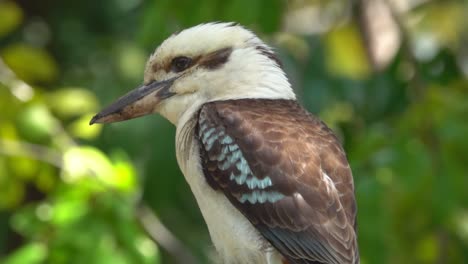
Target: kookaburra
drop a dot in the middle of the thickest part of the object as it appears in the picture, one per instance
(271, 180)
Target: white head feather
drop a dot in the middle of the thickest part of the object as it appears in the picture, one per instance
(248, 73)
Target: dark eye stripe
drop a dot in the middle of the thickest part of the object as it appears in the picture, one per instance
(216, 59)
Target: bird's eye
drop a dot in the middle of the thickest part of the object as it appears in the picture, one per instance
(180, 63)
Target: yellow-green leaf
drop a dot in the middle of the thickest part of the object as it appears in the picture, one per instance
(346, 54)
(82, 162)
(11, 16)
(24, 168)
(72, 101)
(30, 63)
(125, 178)
(11, 194)
(81, 128)
(30, 253)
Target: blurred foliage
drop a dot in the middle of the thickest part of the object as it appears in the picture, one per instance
(71, 193)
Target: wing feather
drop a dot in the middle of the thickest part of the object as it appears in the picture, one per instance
(286, 172)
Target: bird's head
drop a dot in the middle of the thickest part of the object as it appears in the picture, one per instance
(205, 63)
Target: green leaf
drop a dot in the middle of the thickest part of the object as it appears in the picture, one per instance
(29, 254)
(131, 61)
(36, 123)
(25, 221)
(427, 249)
(80, 162)
(68, 211)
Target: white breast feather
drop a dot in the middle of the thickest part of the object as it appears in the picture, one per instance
(235, 238)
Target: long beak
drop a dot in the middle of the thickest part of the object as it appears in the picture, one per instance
(138, 102)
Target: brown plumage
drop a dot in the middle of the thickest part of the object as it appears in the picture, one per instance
(308, 212)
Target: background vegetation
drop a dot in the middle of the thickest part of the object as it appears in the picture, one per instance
(390, 77)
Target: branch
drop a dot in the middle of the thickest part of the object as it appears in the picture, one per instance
(37, 152)
(162, 236)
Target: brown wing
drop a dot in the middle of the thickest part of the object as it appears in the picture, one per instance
(286, 172)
